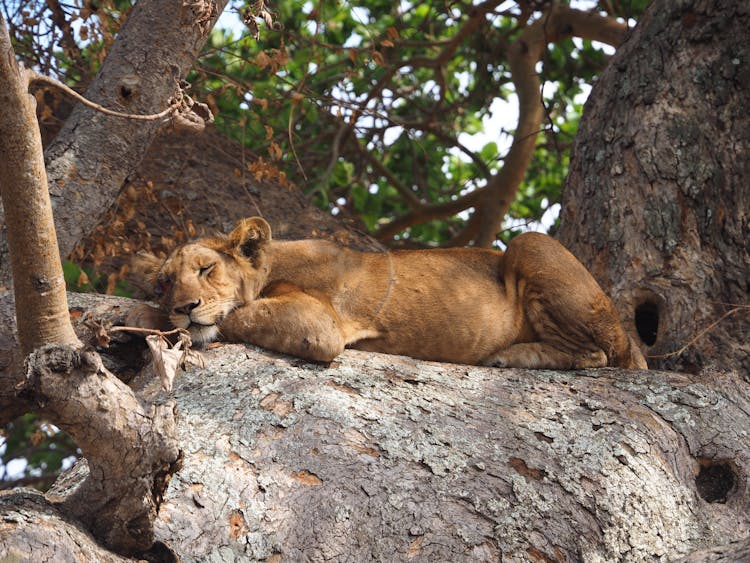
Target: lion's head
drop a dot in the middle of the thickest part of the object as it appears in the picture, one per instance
(202, 281)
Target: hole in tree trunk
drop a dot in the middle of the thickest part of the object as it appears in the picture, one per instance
(647, 321)
(715, 480)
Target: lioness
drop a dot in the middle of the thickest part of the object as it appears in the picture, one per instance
(534, 306)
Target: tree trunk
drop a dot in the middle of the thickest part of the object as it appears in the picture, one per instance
(130, 445)
(656, 202)
(392, 459)
(42, 311)
(90, 158)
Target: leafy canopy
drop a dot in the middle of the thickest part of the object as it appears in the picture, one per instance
(379, 108)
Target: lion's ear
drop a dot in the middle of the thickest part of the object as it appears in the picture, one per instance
(249, 237)
(143, 272)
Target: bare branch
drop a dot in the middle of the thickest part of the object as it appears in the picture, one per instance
(523, 55)
(426, 213)
(41, 304)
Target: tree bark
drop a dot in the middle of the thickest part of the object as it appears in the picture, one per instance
(656, 202)
(41, 308)
(92, 155)
(130, 445)
(33, 530)
(388, 458)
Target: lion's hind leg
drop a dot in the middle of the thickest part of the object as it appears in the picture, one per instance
(555, 337)
(541, 355)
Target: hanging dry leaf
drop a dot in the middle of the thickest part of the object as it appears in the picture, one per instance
(189, 357)
(262, 60)
(168, 358)
(378, 58)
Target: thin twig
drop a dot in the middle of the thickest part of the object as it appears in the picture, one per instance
(700, 334)
(146, 330)
(33, 76)
(290, 132)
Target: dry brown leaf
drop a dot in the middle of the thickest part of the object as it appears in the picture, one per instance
(83, 279)
(275, 151)
(262, 60)
(168, 358)
(99, 332)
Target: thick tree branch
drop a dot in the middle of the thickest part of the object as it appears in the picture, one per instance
(523, 55)
(130, 446)
(156, 46)
(427, 213)
(493, 201)
(41, 307)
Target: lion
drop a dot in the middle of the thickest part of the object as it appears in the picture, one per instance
(533, 306)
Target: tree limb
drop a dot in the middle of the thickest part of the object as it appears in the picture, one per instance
(41, 306)
(130, 446)
(523, 55)
(427, 213)
(138, 75)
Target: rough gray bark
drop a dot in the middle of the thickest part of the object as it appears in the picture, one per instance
(656, 202)
(130, 444)
(33, 530)
(93, 154)
(387, 458)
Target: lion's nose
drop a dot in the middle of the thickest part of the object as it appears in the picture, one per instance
(187, 308)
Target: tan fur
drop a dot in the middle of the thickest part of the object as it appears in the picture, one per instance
(534, 306)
